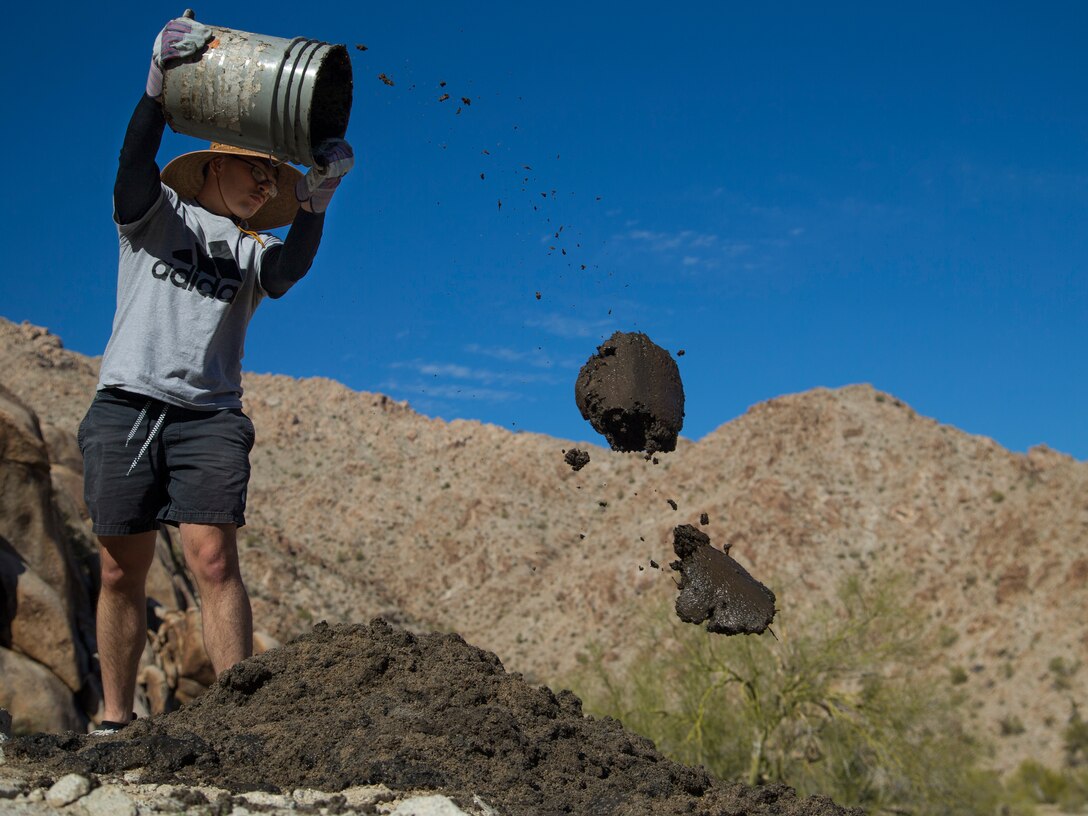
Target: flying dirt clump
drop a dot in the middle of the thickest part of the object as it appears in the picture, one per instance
(630, 392)
(359, 704)
(716, 589)
(577, 459)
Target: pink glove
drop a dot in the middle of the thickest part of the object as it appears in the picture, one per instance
(333, 158)
(180, 40)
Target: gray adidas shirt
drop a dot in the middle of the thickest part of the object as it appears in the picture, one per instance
(188, 282)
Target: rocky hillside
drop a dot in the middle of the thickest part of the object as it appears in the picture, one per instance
(359, 506)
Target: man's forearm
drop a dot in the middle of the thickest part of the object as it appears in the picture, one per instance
(285, 265)
(137, 186)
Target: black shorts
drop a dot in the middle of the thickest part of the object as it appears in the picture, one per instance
(146, 462)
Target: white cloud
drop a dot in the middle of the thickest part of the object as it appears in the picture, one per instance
(449, 392)
(536, 357)
(483, 376)
(570, 327)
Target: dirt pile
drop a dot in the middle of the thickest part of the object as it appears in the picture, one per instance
(630, 392)
(716, 589)
(352, 705)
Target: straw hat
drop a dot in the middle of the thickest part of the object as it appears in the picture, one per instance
(185, 175)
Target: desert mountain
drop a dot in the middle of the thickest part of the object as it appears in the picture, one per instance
(359, 506)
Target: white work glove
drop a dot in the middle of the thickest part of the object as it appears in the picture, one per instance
(181, 40)
(333, 158)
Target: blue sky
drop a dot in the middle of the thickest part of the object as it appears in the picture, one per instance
(796, 194)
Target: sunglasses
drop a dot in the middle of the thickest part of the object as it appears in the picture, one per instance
(261, 176)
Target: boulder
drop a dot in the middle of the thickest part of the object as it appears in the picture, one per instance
(36, 624)
(28, 518)
(45, 611)
(36, 698)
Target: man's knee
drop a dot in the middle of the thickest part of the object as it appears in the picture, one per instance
(211, 553)
(125, 561)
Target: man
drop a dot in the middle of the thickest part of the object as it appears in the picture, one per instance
(165, 440)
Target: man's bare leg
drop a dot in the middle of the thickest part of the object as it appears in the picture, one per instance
(121, 618)
(211, 551)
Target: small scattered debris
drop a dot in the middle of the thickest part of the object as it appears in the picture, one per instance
(577, 459)
(442, 84)
(481, 176)
(680, 353)
(466, 101)
(538, 295)
(704, 519)
(386, 79)
(603, 503)
(654, 564)
(443, 98)
(361, 47)
(671, 503)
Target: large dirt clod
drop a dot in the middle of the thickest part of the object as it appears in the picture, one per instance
(630, 392)
(716, 589)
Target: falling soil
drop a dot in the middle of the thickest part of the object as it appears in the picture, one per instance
(366, 704)
(577, 459)
(716, 589)
(704, 519)
(630, 391)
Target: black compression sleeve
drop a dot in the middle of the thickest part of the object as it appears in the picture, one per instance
(137, 186)
(285, 264)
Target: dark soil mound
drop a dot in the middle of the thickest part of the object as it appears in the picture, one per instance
(630, 392)
(350, 705)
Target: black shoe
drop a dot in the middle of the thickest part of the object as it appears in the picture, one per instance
(107, 727)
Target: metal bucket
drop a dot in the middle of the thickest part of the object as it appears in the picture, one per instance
(277, 96)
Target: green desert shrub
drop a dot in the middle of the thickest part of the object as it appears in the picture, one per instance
(1034, 784)
(836, 704)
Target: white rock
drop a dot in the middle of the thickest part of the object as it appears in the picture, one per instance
(67, 789)
(10, 788)
(427, 806)
(308, 796)
(364, 795)
(485, 808)
(271, 800)
(108, 800)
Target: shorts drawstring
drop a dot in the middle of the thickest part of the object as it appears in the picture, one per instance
(150, 436)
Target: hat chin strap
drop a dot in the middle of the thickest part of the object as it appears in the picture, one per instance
(219, 187)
